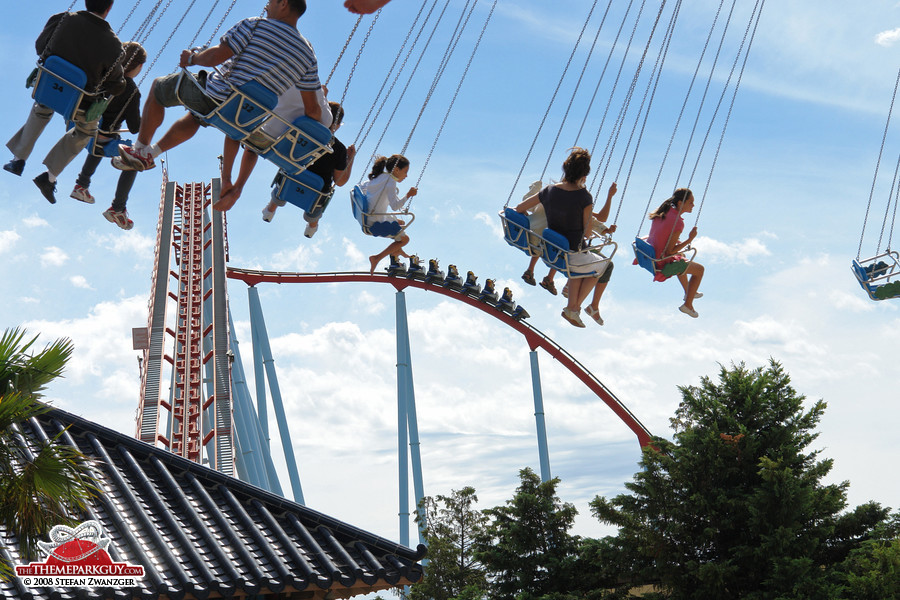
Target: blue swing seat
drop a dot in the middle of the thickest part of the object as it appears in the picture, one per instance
(359, 205)
(516, 227)
(879, 276)
(242, 113)
(645, 256)
(304, 141)
(60, 85)
(303, 190)
(556, 254)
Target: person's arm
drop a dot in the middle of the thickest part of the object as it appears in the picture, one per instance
(44, 38)
(527, 204)
(133, 111)
(208, 57)
(364, 7)
(311, 104)
(603, 215)
(674, 246)
(342, 176)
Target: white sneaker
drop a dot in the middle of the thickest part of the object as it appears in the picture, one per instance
(268, 215)
(311, 230)
(689, 311)
(82, 194)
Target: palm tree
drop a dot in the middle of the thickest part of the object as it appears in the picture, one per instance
(41, 484)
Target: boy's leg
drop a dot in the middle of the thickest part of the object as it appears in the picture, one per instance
(22, 143)
(123, 189)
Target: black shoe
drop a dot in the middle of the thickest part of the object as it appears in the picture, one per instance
(15, 166)
(47, 188)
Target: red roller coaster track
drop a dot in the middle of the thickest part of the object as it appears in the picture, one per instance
(533, 336)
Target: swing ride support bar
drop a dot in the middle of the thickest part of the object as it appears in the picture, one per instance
(534, 337)
(253, 461)
(405, 398)
(256, 315)
(543, 451)
(403, 350)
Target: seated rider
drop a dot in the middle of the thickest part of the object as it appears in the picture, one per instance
(332, 167)
(381, 189)
(125, 106)
(269, 50)
(86, 40)
(289, 107)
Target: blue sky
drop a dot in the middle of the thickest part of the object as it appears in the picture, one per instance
(779, 227)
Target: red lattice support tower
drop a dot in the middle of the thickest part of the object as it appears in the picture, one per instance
(195, 421)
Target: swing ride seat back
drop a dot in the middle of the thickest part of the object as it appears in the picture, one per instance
(304, 141)
(556, 254)
(60, 86)
(515, 229)
(359, 204)
(645, 256)
(878, 276)
(303, 190)
(243, 112)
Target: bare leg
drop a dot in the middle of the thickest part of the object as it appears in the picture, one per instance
(231, 195)
(395, 248)
(683, 280)
(576, 297)
(695, 270)
(598, 293)
(181, 131)
(151, 118)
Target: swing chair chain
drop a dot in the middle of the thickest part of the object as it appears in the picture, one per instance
(877, 165)
(219, 25)
(458, 87)
(343, 50)
(359, 55)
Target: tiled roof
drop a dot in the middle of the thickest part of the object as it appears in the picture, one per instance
(201, 534)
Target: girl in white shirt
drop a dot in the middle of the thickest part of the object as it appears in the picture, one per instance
(381, 189)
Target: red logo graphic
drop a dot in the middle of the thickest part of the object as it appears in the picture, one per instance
(78, 557)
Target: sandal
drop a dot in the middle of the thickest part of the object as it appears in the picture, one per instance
(528, 277)
(594, 314)
(547, 284)
(572, 317)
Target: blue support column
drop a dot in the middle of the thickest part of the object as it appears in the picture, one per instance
(412, 421)
(543, 452)
(404, 384)
(256, 316)
(260, 380)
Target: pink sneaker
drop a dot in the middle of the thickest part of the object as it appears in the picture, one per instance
(119, 218)
(132, 160)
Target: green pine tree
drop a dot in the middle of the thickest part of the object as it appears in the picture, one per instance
(735, 506)
(452, 572)
(527, 549)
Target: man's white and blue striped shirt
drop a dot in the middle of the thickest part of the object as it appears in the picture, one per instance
(269, 51)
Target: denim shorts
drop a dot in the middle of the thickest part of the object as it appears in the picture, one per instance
(191, 91)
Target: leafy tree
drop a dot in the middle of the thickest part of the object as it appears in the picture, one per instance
(38, 485)
(526, 549)
(452, 572)
(735, 505)
(872, 570)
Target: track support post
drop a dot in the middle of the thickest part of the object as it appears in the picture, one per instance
(543, 452)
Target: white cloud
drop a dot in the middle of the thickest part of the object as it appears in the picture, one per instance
(80, 282)
(737, 252)
(302, 258)
(493, 223)
(54, 256)
(888, 38)
(125, 243)
(8, 239)
(35, 221)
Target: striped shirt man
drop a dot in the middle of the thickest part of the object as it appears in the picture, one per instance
(269, 51)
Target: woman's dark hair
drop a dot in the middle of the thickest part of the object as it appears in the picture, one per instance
(337, 114)
(134, 55)
(576, 165)
(97, 6)
(385, 164)
(679, 195)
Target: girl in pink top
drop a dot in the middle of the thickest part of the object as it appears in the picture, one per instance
(666, 225)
